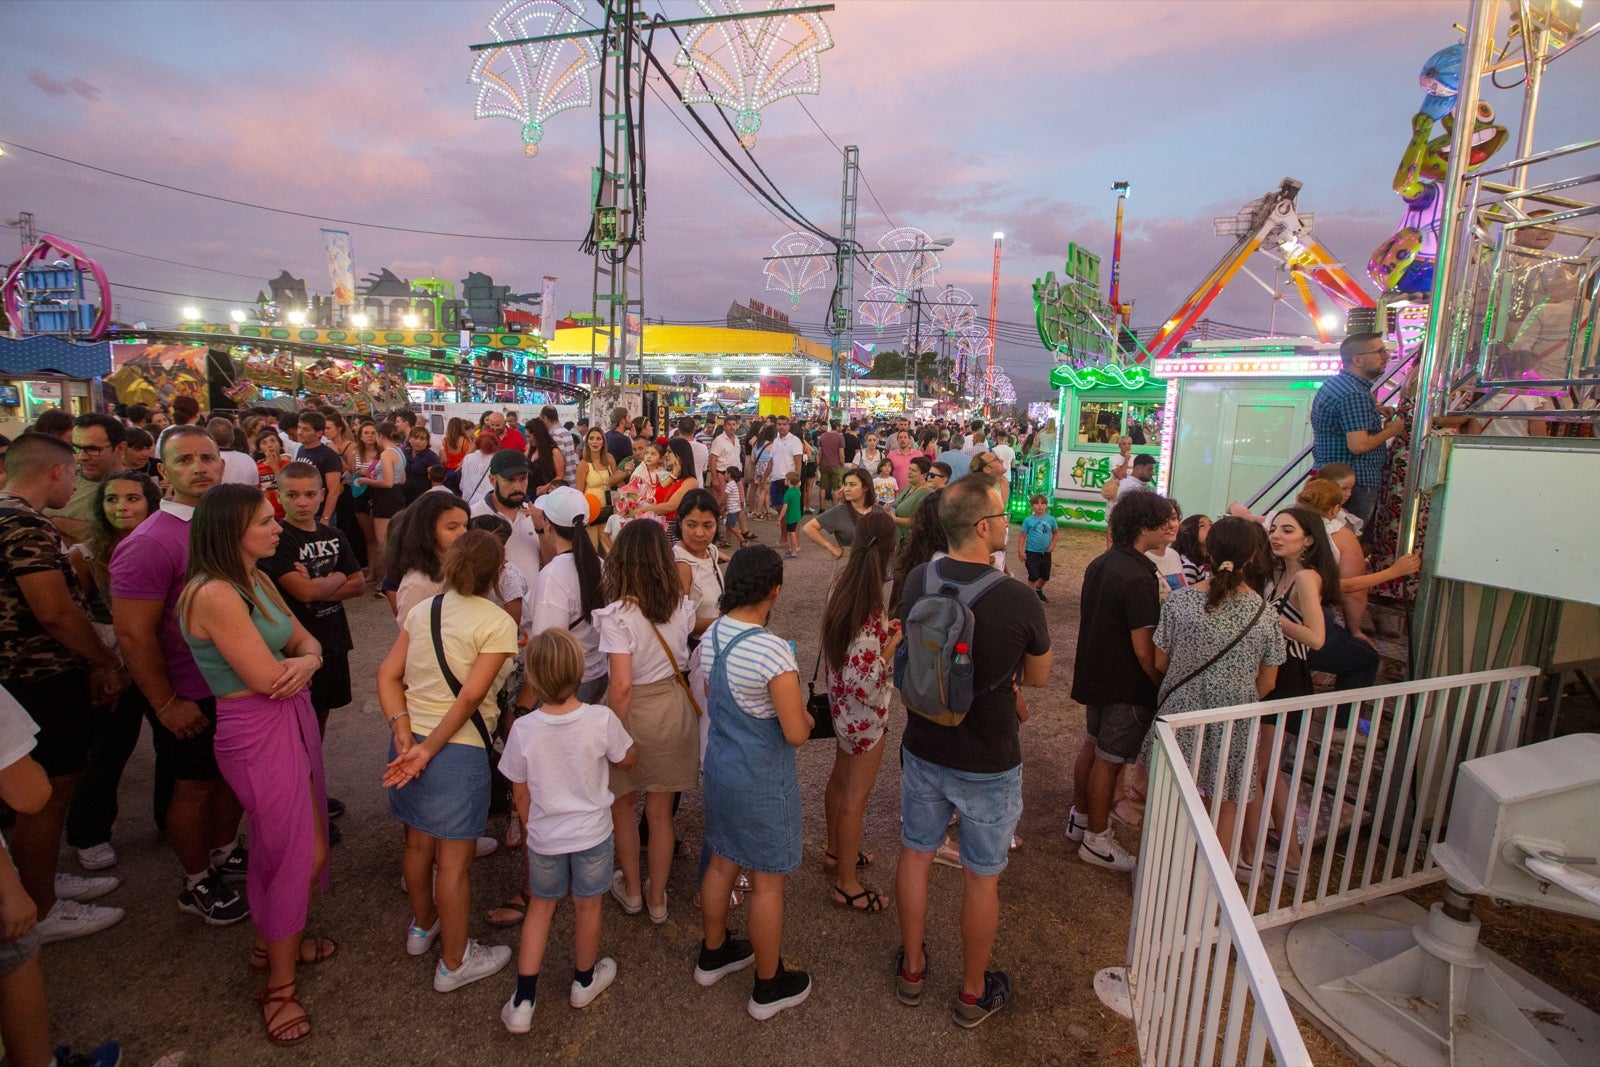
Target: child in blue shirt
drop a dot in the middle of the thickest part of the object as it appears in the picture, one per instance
(1038, 543)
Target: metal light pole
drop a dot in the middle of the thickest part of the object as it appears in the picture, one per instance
(994, 294)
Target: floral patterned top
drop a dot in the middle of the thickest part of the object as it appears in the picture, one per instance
(859, 694)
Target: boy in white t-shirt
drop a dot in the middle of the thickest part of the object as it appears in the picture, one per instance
(557, 759)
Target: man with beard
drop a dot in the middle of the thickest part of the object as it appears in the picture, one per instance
(508, 498)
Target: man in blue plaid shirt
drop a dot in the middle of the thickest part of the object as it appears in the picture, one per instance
(1347, 424)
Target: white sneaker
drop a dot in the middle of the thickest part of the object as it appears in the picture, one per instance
(76, 887)
(485, 846)
(605, 972)
(659, 916)
(97, 857)
(477, 962)
(69, 918)
(419, 940)
(619, 890)
(1102, 850)
(1077, 824)
(518, 1018)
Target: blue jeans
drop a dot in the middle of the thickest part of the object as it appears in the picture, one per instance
(1352, 662)
(990, 805)
(1362, 504)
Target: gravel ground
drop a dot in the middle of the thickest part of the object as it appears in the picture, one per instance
(162, 982)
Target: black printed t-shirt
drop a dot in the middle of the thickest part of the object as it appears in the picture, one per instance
(1009, 623)
(323, 551)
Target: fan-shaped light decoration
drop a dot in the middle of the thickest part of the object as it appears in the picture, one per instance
(880, 308)
(793, 275)
(990, 385)
(531, 82)
(972, 350)
(907, 261)
(746, 64)
(953, 310)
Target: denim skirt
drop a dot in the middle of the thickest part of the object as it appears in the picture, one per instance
(450, 798)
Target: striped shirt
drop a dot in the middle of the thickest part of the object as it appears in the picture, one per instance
(734, 498)
(569, 452)
(759, 658)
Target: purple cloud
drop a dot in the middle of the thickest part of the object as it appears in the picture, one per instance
(50, 86)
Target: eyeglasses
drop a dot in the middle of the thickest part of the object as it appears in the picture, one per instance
(1003, 516)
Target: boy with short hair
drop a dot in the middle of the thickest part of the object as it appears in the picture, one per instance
(558, 759)
(436, 479)
(791, 514)
(316, 570)
(1037, 545)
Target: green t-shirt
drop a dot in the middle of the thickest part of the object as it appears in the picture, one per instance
(791, 504)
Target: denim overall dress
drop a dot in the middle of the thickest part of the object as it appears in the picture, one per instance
(752, 790)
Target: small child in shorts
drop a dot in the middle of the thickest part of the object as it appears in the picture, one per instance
(733, 505)
(791, 514)
(557, 759)
(1038, 543)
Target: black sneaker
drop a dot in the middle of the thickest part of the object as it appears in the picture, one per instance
(909, 990)
(996, 991)
(237, 865)
(734, 955)
(214, 901)
(335, 808)
(783, 990)
(334, 836)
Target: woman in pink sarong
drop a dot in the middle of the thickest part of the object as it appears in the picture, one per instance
(258, 660)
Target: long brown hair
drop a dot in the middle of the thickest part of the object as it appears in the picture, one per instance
(220, 520)
(640, 569)
(103, 537)
(858, 594)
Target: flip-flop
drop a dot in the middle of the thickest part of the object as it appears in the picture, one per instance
(511, 912)
(322, 948)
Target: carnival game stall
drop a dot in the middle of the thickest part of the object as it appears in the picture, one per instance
(1097, 407)
(39, 373)
(1236, 413)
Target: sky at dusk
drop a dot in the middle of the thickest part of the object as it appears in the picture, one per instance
(971, 115)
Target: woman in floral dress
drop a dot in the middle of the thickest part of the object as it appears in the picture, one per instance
(858, 642)
(1195, 625)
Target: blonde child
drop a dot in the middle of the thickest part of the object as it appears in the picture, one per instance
(557, 760)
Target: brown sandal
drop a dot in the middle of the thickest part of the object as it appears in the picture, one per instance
(511, 912)
(272, 1018)
(322, 948)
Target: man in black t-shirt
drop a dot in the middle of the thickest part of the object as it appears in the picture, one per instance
(315, 568)
(1114, 671)
(974, 768)
(324, 459)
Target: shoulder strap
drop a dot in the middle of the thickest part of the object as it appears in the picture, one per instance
(1192, 675)
(966, 592)
(435, 617)
(672, 663)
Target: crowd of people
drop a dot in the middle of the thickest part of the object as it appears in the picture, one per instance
(581, 638)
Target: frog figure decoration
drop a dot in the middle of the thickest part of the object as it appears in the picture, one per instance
(1404, 263)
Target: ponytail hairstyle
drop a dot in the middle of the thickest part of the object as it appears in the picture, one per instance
(472, 565)
(1231, 546)
(1319, 556)
(858, 594)
(591, 579)
(1321, 495)
(753, 573)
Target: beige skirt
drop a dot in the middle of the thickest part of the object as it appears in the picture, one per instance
(666, 741)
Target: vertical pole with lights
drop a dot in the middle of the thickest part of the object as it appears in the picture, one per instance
(994, 296)
(1118, 308)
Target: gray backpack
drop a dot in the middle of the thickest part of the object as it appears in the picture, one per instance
(933, 664)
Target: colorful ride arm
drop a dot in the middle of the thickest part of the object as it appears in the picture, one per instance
(1410, 178)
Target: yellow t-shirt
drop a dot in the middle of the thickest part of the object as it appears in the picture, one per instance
(470, 626)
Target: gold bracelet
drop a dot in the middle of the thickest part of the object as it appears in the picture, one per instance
(170, 701)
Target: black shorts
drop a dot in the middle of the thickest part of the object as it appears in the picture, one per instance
(59, 706)
(187, 759)
(789, 527)
(808, 470)
(1118, 730)
(386, 503)
(1038, 566)
(330, 686)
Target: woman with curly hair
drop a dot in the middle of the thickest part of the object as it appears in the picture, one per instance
(414, 555)
(644, 632)
(858, 643)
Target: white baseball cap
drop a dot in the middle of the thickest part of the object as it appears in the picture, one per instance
(564, 506)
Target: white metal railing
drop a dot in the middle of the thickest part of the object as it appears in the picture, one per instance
(1203, 990)
(1371, 773)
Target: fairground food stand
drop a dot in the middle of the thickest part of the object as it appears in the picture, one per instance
(1098, 406)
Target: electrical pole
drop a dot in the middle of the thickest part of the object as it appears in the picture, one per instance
(844, 264)
(994, 296)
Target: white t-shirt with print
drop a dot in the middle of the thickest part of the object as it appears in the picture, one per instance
(564, 761)
(623, 628)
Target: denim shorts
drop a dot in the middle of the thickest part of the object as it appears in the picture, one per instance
(990, 805)
(583, 874)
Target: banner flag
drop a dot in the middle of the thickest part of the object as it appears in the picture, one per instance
(341, 266)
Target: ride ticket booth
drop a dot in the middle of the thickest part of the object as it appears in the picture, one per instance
(1237, 412)
(1097, 407)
